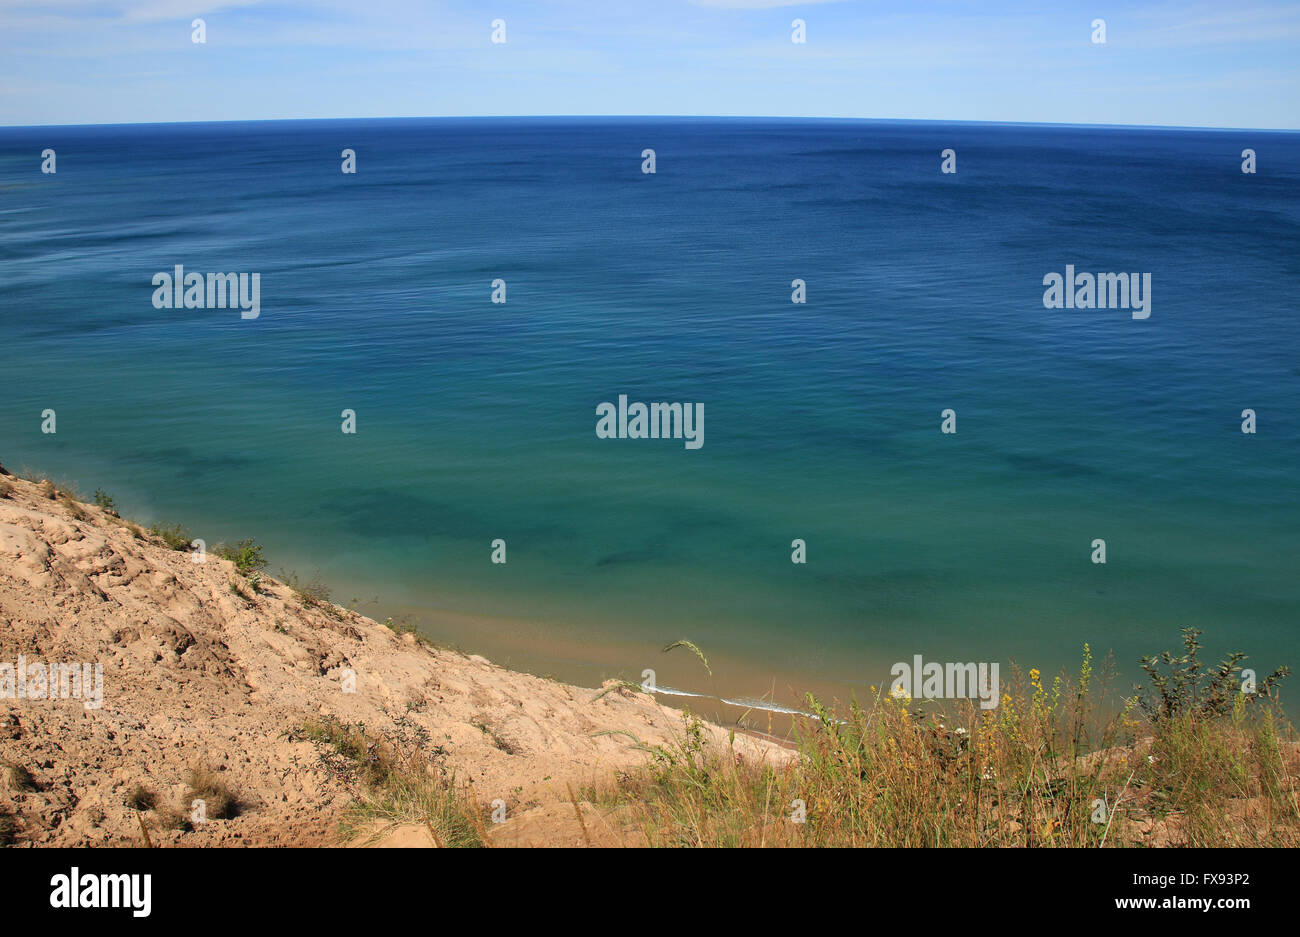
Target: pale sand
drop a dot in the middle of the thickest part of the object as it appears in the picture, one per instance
(195, 673)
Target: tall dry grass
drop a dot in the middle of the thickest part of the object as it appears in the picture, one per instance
(1187, 763)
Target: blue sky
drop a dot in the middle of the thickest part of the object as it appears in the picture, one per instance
(1218, 64)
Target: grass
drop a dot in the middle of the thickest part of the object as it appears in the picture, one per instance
(141, 798)
(313, 593)
(174, 535)
(169, 817)
(174, 818)
(135, 530)
(49, 487)
(8, 827)
(405, 625)
(394, 787)
(219, 801)
(1053, 765)
(622, 687)
(499, 741)
(72, 506)
(16, 777)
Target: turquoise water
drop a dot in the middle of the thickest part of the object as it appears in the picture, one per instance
(476, 420)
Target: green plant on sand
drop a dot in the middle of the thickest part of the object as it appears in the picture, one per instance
(1053, 765)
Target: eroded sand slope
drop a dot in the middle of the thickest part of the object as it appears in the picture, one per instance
(194, 673)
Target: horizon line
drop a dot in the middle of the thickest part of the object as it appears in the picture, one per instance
(750, 117)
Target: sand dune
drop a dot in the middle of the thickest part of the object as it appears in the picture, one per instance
(193, 673)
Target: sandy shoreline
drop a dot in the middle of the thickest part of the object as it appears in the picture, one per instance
(588, 654)
(197, 668)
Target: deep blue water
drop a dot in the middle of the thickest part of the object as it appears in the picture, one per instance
(477, 420)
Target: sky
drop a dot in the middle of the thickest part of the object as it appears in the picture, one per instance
(1218, 64)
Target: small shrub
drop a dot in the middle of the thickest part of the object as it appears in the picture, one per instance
(50, 489)
(141, 798)
(15, 777)
(174, 535)
(8, 828)
(405, 625)
(174, 818)
(245, 554)
(312, 593)
(105, 501)
(219, 802)
(1184, 687)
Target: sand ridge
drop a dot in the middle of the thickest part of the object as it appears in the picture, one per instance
(194, 673)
